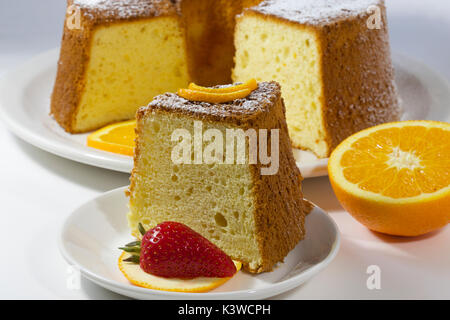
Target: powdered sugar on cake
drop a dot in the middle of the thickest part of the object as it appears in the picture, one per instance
(315, 11)
(122, 9)
(256, 101)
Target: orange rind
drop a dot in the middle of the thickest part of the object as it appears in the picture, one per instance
(138, 277)
(201, 96)
(218, 94)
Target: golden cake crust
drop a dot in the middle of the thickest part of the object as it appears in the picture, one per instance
(278, 200)
(281, 195)
(362, 92)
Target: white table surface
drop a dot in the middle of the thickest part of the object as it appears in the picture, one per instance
(38, 190)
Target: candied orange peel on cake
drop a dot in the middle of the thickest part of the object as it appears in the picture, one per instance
(252, 84)
(218, 94)
(117, 138)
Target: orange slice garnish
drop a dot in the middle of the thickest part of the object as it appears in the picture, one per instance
(395, 178)
(251, 84)
(116, 138)
(138, 277)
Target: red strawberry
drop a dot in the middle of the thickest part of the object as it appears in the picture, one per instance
(173, 250)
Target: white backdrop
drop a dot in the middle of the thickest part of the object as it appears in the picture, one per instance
(37, 190)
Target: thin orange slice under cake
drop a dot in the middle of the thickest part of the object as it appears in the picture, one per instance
(139, 278)
(395, 178)
(116, 138)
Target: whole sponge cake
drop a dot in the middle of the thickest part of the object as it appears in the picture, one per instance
(254, 218)
(332, 60)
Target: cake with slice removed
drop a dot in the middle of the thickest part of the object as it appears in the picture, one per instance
(332, 58)
(255, 216)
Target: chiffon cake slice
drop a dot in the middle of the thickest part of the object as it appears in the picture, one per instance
(255, 217)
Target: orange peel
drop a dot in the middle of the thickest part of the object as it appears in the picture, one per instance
(252, 84)
(201, 96)
(394, 178)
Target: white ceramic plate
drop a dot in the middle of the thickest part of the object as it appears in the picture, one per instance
(91, 235)
(25, 99)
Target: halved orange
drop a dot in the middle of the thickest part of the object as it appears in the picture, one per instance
(116, 138)
(138, 277)
(395, 178)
